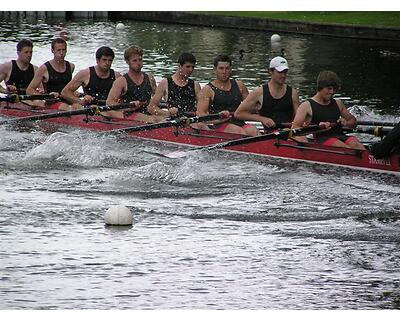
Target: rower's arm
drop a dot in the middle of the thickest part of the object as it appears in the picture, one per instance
(204, 101)
(295, 101)
(303, 114)
(153, 107)
(153, 85)
(247, 110)
(197, 90)
(243, 89)
(117, 90)
(5, 69)
(68, 93)
(347, 119)
(37, 81)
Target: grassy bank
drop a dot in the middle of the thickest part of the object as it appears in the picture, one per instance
(367, 18)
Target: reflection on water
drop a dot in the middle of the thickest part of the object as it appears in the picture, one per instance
(365, 66)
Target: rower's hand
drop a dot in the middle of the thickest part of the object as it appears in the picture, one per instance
(134, 105)
(225, 114)
(268, 122)
(325, 125)
(173, 111)
(343, 122)
(11, 89)
(87, 99)
(55, 95)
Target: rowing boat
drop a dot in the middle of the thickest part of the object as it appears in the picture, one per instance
(274, 148)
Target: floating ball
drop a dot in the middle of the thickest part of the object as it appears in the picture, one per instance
(118, 216)
(275, 38)
(120, 26)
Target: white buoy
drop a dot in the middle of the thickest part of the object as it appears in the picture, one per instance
(275, 37)
(120, 26)
(118, 215)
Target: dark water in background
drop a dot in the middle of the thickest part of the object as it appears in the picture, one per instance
(368, 68)
(213, 231)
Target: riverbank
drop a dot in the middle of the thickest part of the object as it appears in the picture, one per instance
(249, 21)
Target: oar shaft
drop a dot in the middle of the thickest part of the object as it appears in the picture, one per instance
(376, 131)
(14, 98)
(283, 134)
(89, 110)
(178, 122)
(377, 123)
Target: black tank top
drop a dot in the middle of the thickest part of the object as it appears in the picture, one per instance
(99, 87)
(280, 110)
(57, 80)
(20, 78)
(326, 113)
(183, 98)
(140, 92)
(226, 100)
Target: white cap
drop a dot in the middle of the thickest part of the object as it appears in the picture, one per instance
(279, 64)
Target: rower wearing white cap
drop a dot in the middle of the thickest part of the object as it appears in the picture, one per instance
(274, 102)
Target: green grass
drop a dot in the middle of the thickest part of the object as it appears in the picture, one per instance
(368, 18)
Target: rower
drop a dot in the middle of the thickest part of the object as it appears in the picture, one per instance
(224, 94)
(273, 103)
(323, 109)
(17, 74)
(135, 86)
(180, 92)
(54, 75)
(389, 144)
(96, 81)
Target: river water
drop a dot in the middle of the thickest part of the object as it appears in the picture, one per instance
(212, 231)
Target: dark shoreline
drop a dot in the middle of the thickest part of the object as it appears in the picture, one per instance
(261, 24)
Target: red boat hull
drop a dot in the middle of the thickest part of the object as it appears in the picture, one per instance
(309, 152)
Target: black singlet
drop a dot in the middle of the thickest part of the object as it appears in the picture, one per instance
(20, 78)
(57, 80)
(183, 98)
(227, 100)
(141, 92)
(99, 87)
(327, 113)
(279, 110)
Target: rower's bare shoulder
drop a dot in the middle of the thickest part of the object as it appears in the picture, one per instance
(256, 94)
(295, 92)
(117, 74)
(6, 67)
(305, 106)
(206, 91)
(72, 66)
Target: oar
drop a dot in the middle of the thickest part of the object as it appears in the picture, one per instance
(376, 131)
(377, 123)
(87, 110)
(14, 98)
(283, 134)
(177, 122)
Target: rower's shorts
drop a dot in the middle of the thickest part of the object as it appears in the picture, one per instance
(55, 105)
(130, 115)
(329, 141)
(221, 127)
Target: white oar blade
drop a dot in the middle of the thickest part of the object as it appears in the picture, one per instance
(177, 154)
